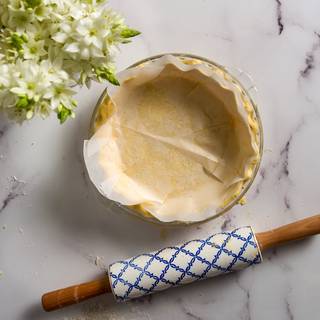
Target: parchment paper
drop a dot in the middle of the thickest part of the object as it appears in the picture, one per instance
(178, 142)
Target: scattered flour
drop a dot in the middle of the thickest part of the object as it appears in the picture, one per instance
(112, 312)
(15, 179)
(100, 263)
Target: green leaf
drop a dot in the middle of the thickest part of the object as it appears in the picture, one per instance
(107, 74)
(24, 103)
(63, 113)
(128, 33)
(112, 78)
(32, 3)
(17, 40)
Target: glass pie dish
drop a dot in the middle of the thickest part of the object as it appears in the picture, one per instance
(239, 80)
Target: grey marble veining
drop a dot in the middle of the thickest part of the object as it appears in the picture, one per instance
(279, 16)
(310, 57)
(14, 190)
(54, 232)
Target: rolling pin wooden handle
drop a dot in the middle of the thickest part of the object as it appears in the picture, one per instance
(74, 294)
(290, 232)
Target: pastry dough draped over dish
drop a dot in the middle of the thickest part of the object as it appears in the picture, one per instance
(178, 142)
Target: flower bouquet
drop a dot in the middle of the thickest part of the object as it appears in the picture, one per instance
(48, 46)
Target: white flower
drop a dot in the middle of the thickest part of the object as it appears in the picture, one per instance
(54, 72)
(86, 38)
(30, 80)
(47, 46)
(33, 49)
(60, 94)
(19, 18)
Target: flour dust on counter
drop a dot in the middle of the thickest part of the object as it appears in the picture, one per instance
(101, 312)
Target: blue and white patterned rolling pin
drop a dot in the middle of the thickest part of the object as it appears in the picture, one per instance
(192, 261)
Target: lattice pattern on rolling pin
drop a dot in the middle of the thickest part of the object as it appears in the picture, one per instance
(194, 260)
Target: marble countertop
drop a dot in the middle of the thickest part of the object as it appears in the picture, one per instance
(54, 232)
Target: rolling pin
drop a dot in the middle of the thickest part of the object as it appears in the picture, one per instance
(184, 263)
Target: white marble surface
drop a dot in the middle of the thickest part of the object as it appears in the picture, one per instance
(52, 227)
